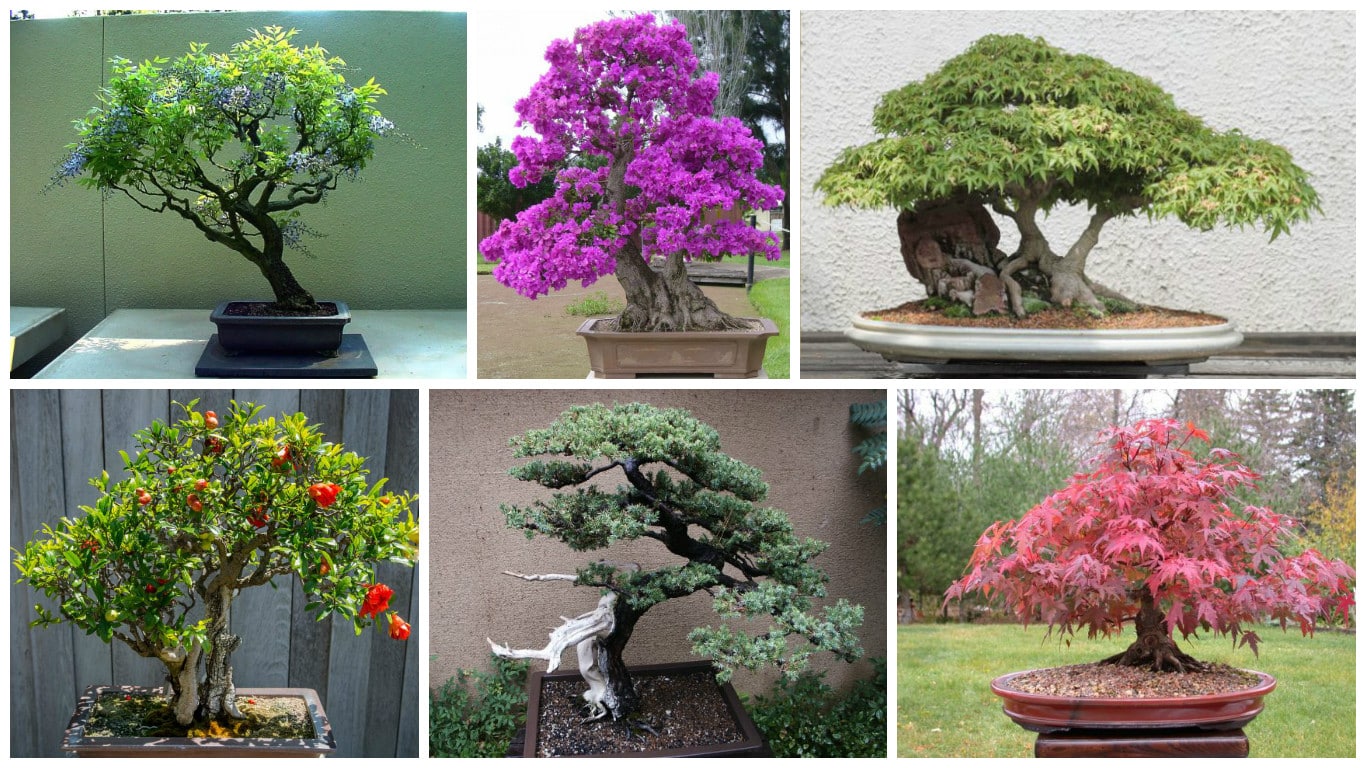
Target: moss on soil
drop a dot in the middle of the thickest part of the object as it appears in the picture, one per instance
(149, 715)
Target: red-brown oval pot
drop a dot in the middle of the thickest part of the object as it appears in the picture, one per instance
(1044, 714)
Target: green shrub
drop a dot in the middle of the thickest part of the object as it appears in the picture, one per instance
(806, 718)
(479, 722)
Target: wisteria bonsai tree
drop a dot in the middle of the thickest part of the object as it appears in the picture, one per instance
(1148, 537)
(235, 143)
(624, 100)
(211, 506)
(1015, 126)
(700, 505)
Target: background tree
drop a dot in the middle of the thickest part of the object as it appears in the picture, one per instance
(702, 506)
(1016, 126)
(767, 110)
(495, 194)
(1147, 536)
(626, 93)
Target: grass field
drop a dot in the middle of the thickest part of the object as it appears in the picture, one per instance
(771, 299)
(945, 707)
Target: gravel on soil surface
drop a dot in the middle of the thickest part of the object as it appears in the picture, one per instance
(268, 309)
(914, 312)
(137, 715)
(687, 710)
(1110, 681)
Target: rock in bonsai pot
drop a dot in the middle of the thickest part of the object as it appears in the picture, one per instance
(702, 507)
(1014, 127)
(1146, 536)
(159, 133)
(81, 740)
(211, 506)
(624, 100)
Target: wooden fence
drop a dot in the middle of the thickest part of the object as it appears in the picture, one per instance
(368, 683)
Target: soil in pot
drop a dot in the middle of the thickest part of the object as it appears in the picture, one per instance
(135, 715)
(268, 309)
(1114, 681)
(687, 709)
(1143, 318)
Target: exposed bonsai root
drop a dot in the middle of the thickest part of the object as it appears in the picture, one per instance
(1158, 653)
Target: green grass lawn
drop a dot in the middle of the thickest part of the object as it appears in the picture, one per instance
(945, 707)
(772, 299)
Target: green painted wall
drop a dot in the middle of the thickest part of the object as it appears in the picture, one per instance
(394, 239)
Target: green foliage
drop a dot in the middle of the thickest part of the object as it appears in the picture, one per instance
(235, 143)
(806, 718)
(202, 503)
(495, 194)
(872, 450)
(1016, 121)
(1034, 304)
(958, 310)
(476, 713)
(702, 506)
(596, 303)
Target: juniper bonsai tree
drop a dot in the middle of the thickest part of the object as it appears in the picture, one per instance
(702, 506)
(235, 143)
(210, 507)
(625, 102)
(1148, 538)
(1016, 126)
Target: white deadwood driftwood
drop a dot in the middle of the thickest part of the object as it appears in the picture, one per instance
(585, 632)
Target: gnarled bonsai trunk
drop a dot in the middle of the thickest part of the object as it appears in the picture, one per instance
(1154, 649)
(270, 259)
(214, 696)
(666, 301)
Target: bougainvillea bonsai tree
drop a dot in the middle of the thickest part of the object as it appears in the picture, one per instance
(235, 143)
(1016, 127)
(211, 506)
(702, 506)
(1148, 537)
(625, 101)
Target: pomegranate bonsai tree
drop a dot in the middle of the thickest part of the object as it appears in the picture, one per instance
(1015, 126)
(235, 143)
(1148, 537)
(210, 506)
(625, 100)
(702, 506)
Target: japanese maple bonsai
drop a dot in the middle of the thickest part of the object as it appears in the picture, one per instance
(1015, 127)
(702, 506)
(1148, 537)
(211, 506)
(624, 101)
(236, 143)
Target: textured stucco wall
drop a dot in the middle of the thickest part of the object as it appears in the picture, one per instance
(395, 239)
(1285, 77)
(801, 440)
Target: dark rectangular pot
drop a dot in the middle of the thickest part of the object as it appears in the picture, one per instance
(75, 740)
(751, 745)
(280, 334)
(721, 354)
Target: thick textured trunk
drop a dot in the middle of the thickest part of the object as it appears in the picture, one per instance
(217, 696)
(182, 667)
(1154, 649)
(622, 700)
(666, 301)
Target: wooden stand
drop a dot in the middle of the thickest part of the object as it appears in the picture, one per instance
(1142, 743)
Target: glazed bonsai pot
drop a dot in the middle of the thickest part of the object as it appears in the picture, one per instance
(734, 354)
(916, 343)
(1043, 713)
(748, 741)
(80, 745)
(244, 331)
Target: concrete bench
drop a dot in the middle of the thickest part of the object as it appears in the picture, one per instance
(31, 330)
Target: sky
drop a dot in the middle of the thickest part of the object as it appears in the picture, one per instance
(509, 51)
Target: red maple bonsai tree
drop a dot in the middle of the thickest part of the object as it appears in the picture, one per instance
(1149, 537)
